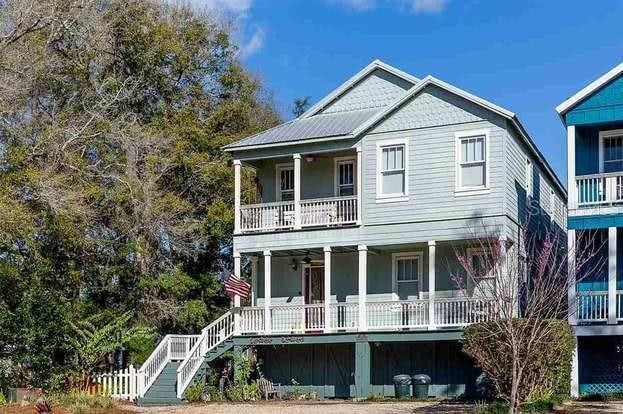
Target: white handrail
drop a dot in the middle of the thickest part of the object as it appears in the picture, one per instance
(592, 306)
(211, 336)
(154, 364)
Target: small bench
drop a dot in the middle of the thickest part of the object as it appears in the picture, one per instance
(267, 388)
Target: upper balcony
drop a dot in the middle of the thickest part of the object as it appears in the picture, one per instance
(305, 191)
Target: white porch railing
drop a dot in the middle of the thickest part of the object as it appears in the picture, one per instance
(463, 311)
(172, 347)
(599, 189)
(211, 336)
(281, 215)
(397, 314)
(592, 306)
(619, 305)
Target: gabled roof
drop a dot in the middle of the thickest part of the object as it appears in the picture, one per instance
(590, 89)
(315, 124)
(343, 88)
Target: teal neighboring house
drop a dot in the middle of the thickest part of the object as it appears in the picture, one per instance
(593, 118)
(350, 237)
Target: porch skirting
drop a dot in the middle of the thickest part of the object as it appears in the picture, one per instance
(364, 369)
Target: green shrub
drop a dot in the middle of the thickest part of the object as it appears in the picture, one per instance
(3, 400)
(496, 407)
(547, 372)
(244, 389)
(78, 402)
(140, 347)
(195, 392)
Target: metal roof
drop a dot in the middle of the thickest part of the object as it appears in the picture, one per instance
(318, 126)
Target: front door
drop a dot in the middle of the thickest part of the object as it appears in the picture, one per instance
(313, 291)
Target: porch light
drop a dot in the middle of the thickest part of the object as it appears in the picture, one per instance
(307, 259)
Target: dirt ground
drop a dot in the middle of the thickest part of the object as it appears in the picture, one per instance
(346, 407)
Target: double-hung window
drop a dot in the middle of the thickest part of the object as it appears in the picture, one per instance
(472, 168)
(393, 170)
(285, 182)
(611, 151)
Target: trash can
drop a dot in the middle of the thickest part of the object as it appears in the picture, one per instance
(402, 386)
(420, 385)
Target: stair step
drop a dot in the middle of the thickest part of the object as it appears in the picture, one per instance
(145, 401)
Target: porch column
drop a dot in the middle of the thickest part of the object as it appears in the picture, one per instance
(253, 280)
(237, 297)
(363, 280)
(362, 370)
(237, 185)
(612, 275)
(327, 289)
(571, 274)
(575, 370)
(359, 184)
(267, 277)
(431, 284)
(297, 191)
(573, 199)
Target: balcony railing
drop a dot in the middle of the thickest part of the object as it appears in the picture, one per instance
(380, 316)
(599, 189)
(593, 306)
(333, 211)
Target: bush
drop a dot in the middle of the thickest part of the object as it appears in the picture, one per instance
(79, 403)
(3, 400)
(546, 376)
(140, 347)
(243, 389)
(195, 392)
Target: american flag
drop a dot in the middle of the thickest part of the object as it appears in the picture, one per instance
(236, 286)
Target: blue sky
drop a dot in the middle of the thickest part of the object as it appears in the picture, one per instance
(527, 56)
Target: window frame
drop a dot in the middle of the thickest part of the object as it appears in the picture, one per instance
(458, 138)
(419, 254)
(529, 177)
(393, 197)
(480, 251)
(336, 173)
(278, 168)
(612, 133)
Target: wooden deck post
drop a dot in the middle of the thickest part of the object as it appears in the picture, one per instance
(237, 272)
(362, 370)
(297, 191)
(612, 276)
(363, 281)
(253, 280)
(431, 284)
(359, 184)
(327, 289)
(571, 293)
(267, 291)
(237, 193)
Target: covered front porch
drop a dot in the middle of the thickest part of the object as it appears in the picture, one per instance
(360, 288)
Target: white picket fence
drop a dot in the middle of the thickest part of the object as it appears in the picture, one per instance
(119, 384)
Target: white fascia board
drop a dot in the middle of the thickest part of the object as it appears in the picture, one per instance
(589, 89)
(352, 81)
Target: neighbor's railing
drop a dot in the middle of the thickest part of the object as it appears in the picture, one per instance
(211, 336)
(463, 311)
(329, 211)
(397, 314)
(121, 384)
(620, 305)
(592, 306)
(599, 189)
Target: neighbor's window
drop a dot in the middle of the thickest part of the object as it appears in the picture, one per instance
(481, 263)
(285, 183)
(408, 267)
(472, 162)
(392, 171)
(613, 153)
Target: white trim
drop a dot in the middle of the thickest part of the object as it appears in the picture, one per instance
(336, 162)
(529, 177)
(405, 255)
(317, 263)
(589, 89)
(395, 197)
(278, 168)
(602, 135)
(458, 137)
(352, 81)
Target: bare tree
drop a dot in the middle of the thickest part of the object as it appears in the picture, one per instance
(527, 280)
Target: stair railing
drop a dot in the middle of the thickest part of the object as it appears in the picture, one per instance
(154, 364)
(211, 336)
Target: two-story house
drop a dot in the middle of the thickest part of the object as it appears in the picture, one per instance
(351, 232)
(594, 121)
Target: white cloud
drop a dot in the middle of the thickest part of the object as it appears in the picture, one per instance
(235, 7)
(428, 6)
(414, 6)
(254, 43)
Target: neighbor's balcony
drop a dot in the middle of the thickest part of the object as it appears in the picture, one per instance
(598, 190)
(378, 316)
(594, 306)
(282, 215)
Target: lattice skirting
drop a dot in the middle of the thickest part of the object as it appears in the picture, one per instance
(601, 364)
